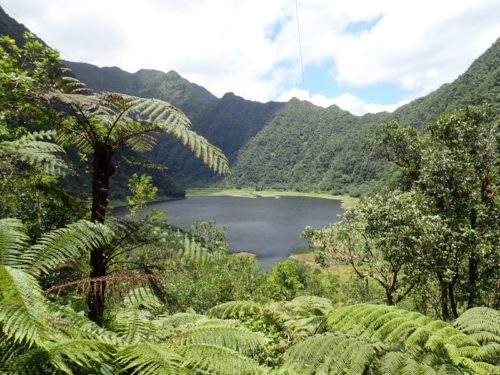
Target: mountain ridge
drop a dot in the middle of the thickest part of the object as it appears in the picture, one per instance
(294, 145)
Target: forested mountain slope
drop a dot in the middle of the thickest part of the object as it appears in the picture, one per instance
(478, 85)
(228, 122)
(294, 145)
(306, 147)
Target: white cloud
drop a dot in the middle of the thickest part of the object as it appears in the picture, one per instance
(347, 102)
(251, 47)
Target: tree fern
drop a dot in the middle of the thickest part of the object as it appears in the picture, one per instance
(118, 120)
(36, 149)
(236, 310)
(330, 354)
(54, 248)
(235, 338)
(480, 323)
(149, 359)
(67, 354)
(403, 330)
(213, 359)
(23, 313)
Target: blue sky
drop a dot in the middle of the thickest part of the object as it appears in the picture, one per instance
(362, 55)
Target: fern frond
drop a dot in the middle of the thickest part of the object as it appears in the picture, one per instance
(169, 322)
(76, 326)
(22, 308)
(487, 353)
(235, 310)
(306, 306)
(185, 245)
(13, 239)
(34, 149)
(150, 115)
(330, 354)
(235, 338)
(481, 323)
(84, 354)
(143, 298)
(133, 325)
(218, 360)
(149, 359)
(54, 248)
(401, 363)
(403, 330)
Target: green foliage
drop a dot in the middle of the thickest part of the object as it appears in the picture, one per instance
(482, 324)
(330, 353)
(454, 171)
(385, 238)
(149, 359)
(290, 278)
(116, 120)
(235, 310)
(143, 191)
(30, 161)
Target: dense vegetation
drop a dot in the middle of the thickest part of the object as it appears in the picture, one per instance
(410, 281)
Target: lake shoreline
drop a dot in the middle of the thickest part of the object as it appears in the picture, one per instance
(346, 201)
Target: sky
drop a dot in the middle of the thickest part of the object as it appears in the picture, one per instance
(362, 55)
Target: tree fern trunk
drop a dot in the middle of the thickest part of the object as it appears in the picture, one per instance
(102, 170)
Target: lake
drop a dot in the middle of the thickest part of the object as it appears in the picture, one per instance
(267, 227)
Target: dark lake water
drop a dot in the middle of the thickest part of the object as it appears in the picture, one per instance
(267, 227)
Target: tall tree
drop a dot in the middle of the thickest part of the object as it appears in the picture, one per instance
(455, 165)
(103, 123)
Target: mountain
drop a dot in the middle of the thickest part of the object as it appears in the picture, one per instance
(229, 122)
(294, 145)
(9, 26)
(307, 148)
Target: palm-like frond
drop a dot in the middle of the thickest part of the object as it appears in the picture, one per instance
(23, 313)
(149, 359)
(213, 359)
(13, 239)
(76, 326)
(184, 245)
(117, 120)
(35, 149)
(235, 338)
(83, 354)
(133, 322)
(236, 310)
(54, 248)
(480, 323)
(330, 354)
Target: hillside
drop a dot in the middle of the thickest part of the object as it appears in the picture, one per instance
(294, 145)
(9, 26)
